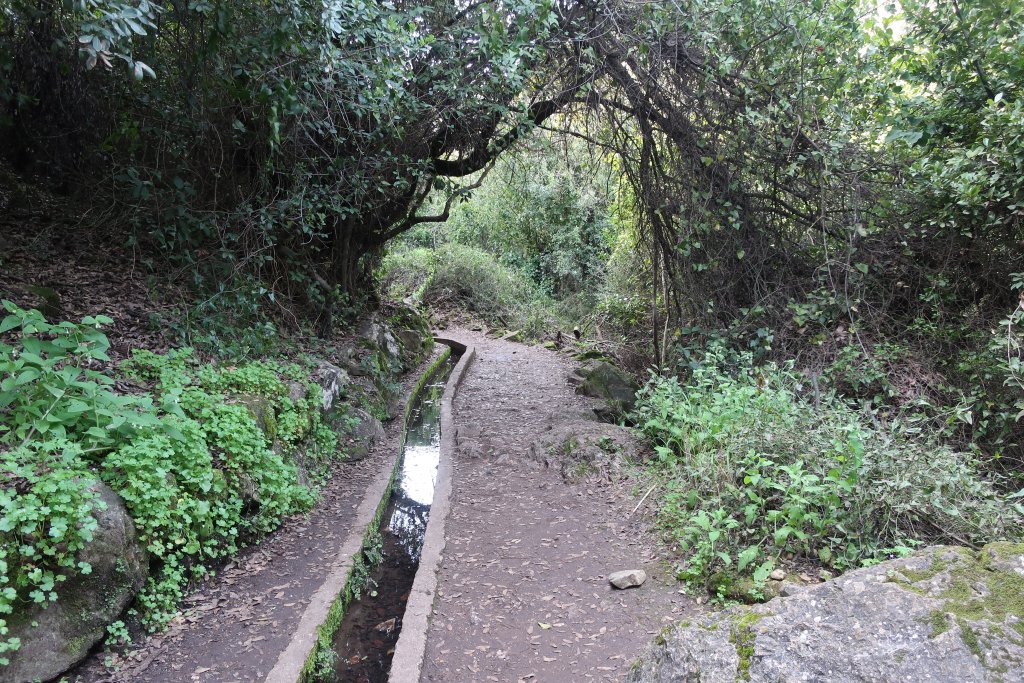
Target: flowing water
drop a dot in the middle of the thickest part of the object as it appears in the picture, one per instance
(365, 641)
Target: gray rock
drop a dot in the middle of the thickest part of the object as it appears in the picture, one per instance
(789, 589)
(413, 343)
(941, 614)
(262, 410)
(362, 437)
(1003, 557)
(602, 380)
(332, 380)
(413, 332)
(65, 630)
(627, 578)
(376, 331)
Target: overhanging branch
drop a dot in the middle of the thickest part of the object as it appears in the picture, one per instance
(412, 219)
(485, 153)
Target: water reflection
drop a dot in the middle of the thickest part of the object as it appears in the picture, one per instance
(409, 525)
(423, 448)
(365, 640)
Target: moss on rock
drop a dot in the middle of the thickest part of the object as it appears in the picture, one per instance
(942, 613)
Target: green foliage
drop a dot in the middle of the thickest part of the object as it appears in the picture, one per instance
(754, 470)
(546, 216)
(195, 498)
(961, 70)
(117, 634)
(50, 392)
(108, 28)
(231, 322)
(1013, 347)
(275, 144)
(57, 415)
(45, 519)
(543, 214)
(623, 300)
(861, 373)
(459, 275)
(207, 471)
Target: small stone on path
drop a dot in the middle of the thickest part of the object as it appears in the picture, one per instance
(628, 578)
(777, 575)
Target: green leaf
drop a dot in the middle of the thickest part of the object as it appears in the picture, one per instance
(763, 570)
(747, 556)
(9, 323)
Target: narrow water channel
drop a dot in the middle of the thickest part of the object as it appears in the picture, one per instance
(364, 644)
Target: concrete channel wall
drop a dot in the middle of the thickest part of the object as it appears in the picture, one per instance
(327, 602)
(412, 642)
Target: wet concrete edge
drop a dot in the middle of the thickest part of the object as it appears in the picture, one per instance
(412, 642)
(290, 664)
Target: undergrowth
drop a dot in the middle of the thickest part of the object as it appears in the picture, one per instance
(456, 275)
(753, 469)
(203, 457)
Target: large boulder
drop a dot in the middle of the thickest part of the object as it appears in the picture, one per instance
(413, 332)
(941, 614)
(599, 379)
(57, 636)
(378, 337)
(400, 333)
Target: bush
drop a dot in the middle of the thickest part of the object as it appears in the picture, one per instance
(405, 274)
(202, 460)
(212, 479)
(57, 416)
(752, 471)
(50, 390)
(466, 276)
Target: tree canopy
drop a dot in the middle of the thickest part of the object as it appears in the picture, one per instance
(792, 166)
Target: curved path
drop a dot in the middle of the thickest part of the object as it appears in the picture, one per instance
(522, 592)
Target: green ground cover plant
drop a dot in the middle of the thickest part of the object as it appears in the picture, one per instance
(202, 455)
(754, 467)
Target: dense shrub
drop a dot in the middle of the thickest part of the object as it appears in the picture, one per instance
(457, 275)
(543, 214)
(268, 148)
(753, 469)
(202, 459)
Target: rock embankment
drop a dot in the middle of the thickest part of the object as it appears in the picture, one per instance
(56, 635)
(941, 614)
(356, 386)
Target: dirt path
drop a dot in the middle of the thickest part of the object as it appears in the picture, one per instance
(522, 589)
(523, 593)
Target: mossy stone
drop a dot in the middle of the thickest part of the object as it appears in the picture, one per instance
(56, 636)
